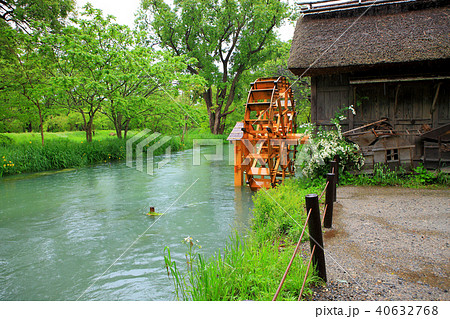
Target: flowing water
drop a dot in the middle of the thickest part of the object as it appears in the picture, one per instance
(62, 234)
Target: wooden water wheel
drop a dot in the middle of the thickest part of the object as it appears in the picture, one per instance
(269, 139)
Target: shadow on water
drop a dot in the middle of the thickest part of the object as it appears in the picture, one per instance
(60, 232)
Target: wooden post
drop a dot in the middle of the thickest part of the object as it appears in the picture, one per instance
(336, 158)
(315, 234)
(328, 219)
(334, 169)
(238, 173)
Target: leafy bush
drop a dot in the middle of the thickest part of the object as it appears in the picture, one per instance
(384, 176)
(5, 140)
(57, 124)
(323, 146)
(424, 177)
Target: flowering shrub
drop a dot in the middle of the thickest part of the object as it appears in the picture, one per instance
(324, 145)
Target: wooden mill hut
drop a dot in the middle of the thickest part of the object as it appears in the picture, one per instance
(390, 59)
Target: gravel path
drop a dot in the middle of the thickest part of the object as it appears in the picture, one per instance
(388, 243)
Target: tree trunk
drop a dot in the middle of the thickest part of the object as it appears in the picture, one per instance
(41, 124)
(118, 125)
(125, 129)
(88, 129)
(216, 127)
(215, 114)
(185, 127)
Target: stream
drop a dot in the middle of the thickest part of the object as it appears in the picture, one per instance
(84, 234)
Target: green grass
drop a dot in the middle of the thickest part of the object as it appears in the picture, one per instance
(57, 154)
(251, 268)
(244, 270)
(76, 136)
(24, 153)
(279, 213)
(419, 177)
(100, 135)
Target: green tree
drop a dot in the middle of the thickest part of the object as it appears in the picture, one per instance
(139, 74)
(101, 68)
(225, 37)
(22, 14)
(25, 72)
(85, 54)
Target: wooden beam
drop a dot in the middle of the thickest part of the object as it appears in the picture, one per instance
(314, 100)
(238, 171)
(433, 111)
(406, 79)
(361, 127)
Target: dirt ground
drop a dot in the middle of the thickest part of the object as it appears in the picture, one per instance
(388, 243)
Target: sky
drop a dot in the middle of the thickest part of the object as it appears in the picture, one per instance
(124, 12)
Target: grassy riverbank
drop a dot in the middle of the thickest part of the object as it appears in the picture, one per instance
(250, 267)
(24, 153)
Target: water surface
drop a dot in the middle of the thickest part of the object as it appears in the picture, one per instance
(60, 232)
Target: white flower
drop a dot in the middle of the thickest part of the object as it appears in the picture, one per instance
(188, 239)
(352, 109)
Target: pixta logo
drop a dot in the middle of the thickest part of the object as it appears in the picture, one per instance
(152, 143)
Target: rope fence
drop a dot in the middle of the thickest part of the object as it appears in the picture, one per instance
(315, 223)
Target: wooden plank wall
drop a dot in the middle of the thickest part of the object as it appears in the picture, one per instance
(443, 105)
(332, 94)
(407, 105)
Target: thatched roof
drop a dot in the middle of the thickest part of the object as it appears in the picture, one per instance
(390, 33)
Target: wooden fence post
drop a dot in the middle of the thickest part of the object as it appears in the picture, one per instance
(315, 234)
(337, 160)
(333, 169)
(328, 219)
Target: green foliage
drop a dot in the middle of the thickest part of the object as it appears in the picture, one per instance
(90, 66)
(244, 270)
(424, 177)
(323, 146)
(251, 268)
(76, 136)
(63, 123)
(279, 213)
(100, 66)
(225, 38)
(58, 154)
(5, 140)
(24, 14)
(25, 76)
(384, 176)
(197, 134)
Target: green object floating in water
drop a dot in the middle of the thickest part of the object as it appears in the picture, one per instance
(154, 214)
